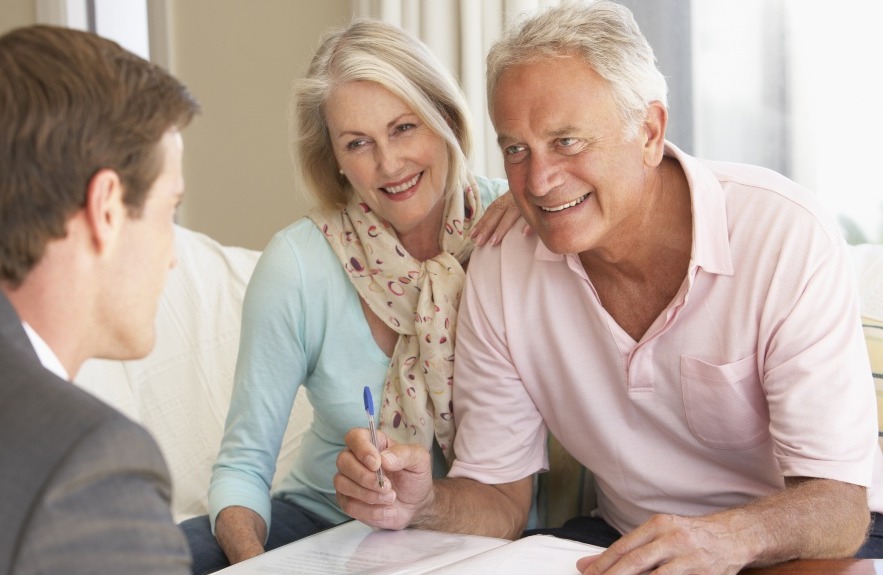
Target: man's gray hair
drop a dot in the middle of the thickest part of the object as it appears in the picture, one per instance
(604, 35)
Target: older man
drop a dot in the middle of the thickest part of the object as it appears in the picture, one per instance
(90, 178)
(687, 329)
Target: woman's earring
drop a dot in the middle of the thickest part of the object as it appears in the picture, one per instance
(341, 172)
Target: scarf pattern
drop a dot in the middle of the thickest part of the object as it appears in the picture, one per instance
(419, 301)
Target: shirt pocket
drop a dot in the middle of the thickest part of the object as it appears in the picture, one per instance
(725, 404)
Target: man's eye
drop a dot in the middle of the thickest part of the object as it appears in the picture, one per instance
(569, 146)
(514, 154)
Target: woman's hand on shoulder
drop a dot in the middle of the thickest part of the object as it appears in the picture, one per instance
(498, 218)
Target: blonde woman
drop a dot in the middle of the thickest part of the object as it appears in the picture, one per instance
(363, 292)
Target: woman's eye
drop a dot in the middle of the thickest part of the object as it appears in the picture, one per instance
(514, 154)
(405, 127)
(356, 144)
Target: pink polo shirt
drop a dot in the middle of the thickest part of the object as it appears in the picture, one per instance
(756, 370)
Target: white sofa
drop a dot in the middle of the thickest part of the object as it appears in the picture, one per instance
(868, 264)
(181, 391)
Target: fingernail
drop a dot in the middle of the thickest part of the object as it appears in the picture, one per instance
(476, 238)
(389, 458)
(494, 240)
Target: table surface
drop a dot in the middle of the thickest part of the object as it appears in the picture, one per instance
(821, 567)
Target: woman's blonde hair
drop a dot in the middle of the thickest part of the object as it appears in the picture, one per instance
(375, 51)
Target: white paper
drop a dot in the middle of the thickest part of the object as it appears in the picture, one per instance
(531, 555)
(356, 549)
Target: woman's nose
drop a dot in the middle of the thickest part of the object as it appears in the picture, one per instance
(389, 160)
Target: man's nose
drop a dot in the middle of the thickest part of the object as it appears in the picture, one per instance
(543, 174)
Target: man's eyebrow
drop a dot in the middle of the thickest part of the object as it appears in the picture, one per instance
(504, 140)
(565, 131)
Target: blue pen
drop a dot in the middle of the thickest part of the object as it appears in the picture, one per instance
(369, 409)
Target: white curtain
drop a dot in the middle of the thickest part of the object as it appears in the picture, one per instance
(791, 85)
(460, 33)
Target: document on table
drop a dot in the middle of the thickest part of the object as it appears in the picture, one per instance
(531, 555)
(356, 549)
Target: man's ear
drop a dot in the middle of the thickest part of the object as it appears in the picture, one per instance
(655, 122)
(105, 210)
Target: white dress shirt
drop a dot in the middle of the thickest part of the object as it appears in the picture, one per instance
(47, 357)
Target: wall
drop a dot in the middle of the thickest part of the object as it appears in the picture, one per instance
(15, 13)
(239, 59)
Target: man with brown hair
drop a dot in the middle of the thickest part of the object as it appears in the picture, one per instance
(90, 179)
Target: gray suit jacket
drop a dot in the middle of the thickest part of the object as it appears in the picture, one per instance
(83, 489)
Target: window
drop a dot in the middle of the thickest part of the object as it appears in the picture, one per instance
(790, 85)
(123, 21)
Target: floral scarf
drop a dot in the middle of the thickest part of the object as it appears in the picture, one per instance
(418, 300)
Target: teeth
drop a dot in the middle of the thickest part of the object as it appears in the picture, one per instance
(402, 187)
(565, 206)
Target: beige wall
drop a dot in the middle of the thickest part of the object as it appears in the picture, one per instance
(239, 59)
(15, 13)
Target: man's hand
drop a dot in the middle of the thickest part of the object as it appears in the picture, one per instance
(407, 487)
(810, 518)
(682, 544)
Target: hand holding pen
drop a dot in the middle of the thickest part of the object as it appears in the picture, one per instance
(369, 410)
(406, 484)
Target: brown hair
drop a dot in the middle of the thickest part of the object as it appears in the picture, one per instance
(72, 104)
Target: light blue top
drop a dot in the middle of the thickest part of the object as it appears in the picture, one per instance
(302, 324)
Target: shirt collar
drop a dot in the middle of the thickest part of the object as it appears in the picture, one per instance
(711, 233)
(711, 242)
(47, 357)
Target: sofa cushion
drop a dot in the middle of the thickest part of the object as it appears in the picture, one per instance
(874, 338)
(181, 391)
(867, 262)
